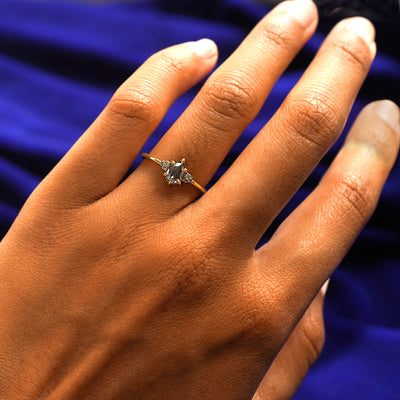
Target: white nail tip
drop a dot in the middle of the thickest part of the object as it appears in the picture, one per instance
(204, 48)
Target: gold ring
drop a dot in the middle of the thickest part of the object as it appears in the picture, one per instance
(175, 173)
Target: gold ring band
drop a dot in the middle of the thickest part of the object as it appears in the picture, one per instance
(175, 173)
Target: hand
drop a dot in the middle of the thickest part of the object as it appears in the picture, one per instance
(137, 290)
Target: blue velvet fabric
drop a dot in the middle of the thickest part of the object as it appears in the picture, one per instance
(61, 61)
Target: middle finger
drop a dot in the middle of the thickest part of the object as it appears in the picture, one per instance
(228, 102)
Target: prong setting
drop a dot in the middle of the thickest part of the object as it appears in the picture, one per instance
(176, 173)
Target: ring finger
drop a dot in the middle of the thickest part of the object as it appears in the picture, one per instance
(288, 148)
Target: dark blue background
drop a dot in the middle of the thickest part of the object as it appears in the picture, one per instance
(60, 63)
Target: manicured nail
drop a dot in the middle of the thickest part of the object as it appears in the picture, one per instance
(361, 27)
(304, 11)
(204, 48)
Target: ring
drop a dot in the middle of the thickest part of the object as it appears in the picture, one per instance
(175, 173)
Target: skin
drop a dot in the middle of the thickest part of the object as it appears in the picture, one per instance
(138, 290)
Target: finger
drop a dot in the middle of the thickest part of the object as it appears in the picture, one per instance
(313, 240)
(101, 157)
(278, 160)
(297, 355)
(229, 101)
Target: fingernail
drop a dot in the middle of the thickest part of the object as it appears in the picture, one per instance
(204, 48)
(383, 110)
(361, 27)
(304, 11)
(371, 130)
(325, 288)
(387, 111)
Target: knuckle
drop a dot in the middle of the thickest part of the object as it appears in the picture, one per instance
(278, 35)
(354, 191)
(190, 279)
(262, 309)
(355, 52)
(167, 60)
(314, 118)
(264, 323)
(191, 272)
(133, 105)
(230, 98)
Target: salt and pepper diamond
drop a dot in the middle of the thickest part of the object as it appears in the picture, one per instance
(176, 172)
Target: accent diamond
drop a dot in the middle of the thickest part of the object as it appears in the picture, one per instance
(165, 165)
(187, 178)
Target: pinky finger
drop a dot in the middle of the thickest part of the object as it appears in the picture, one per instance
(317, 235)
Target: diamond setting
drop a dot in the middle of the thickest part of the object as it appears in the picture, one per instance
(176, 172)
